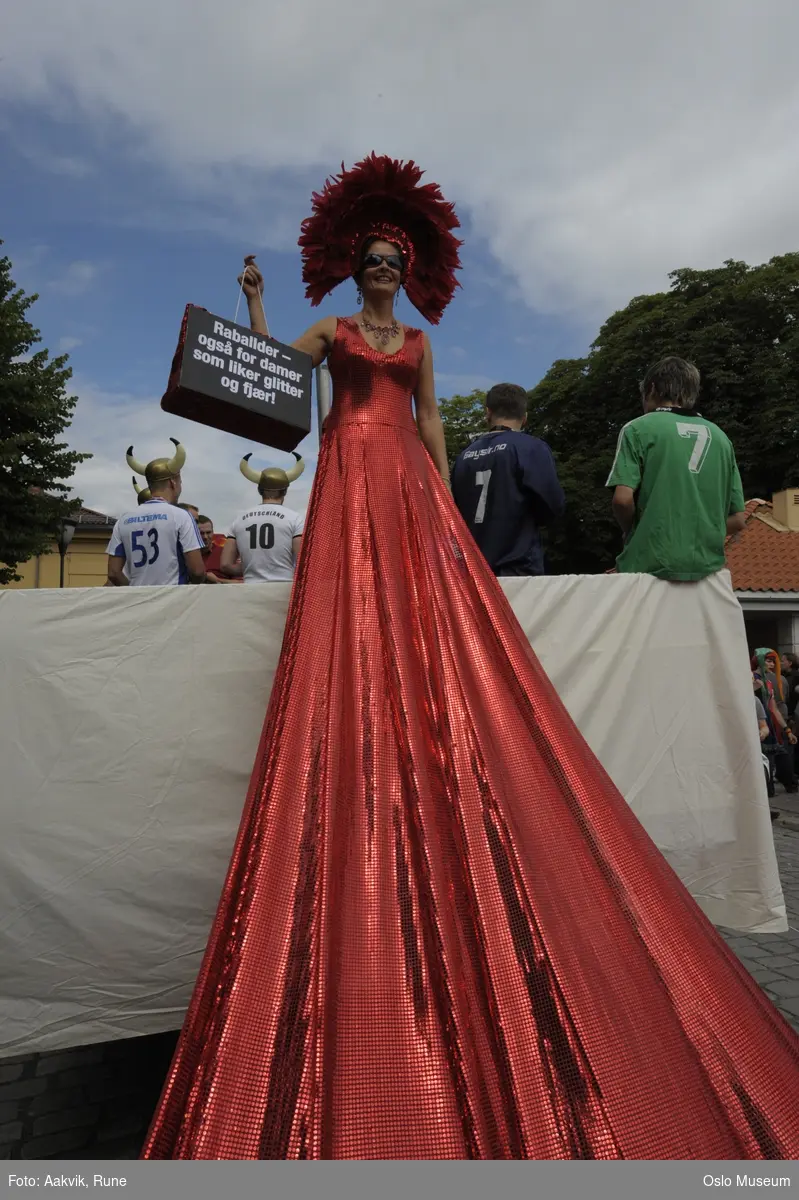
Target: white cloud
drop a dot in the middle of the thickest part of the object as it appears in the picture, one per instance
(448, 384)
(69, 166)
(106, 423)
(77, 279)
(28, 261)
(594, 146)
(65, 344)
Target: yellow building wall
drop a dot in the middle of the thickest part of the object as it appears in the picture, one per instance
(85, 565)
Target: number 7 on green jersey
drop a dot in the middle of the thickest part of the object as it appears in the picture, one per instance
(703, 439)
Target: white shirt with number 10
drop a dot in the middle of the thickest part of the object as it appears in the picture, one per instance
(265, 538)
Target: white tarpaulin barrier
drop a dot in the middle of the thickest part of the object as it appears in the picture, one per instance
(129, 721)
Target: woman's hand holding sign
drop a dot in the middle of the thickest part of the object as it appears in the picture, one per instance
(251, 279)
(252, 284)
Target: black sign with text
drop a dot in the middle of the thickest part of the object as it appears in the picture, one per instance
(230, 378)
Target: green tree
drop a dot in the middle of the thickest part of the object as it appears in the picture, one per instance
(739, 325)
(463, 418)
(34, 410)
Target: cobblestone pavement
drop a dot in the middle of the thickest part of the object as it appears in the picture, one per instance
(773, 958)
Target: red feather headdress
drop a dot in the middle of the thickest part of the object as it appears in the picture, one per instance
(381, 197)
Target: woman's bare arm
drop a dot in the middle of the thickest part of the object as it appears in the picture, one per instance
(428, 418)
(252, 284)
(318, 340)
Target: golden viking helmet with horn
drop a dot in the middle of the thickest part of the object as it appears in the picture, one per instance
(160, 469)
(273, 479)
(144, 494)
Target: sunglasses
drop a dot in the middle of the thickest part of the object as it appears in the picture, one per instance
(376, 260)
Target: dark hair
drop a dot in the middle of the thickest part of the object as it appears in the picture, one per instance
(204, 520)
(507, 400)
(186, 507)
(271, 492)
(675, 380)
(793, 659)
(365, 248)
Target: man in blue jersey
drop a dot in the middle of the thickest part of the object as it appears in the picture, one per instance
(158, 544)
(506, 486)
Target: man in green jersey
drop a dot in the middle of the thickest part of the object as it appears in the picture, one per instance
(677, 488)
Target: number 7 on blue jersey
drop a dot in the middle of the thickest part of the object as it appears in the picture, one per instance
(482, 479)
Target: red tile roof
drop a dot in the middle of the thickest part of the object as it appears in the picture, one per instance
(87, 517)
(764, 557)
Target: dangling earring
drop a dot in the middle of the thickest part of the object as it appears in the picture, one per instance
(359, 296)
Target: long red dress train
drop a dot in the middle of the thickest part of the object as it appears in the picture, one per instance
(443, 933)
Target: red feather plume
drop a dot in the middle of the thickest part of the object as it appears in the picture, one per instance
(382, 196)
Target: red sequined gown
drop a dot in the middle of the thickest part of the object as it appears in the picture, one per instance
(443, 933)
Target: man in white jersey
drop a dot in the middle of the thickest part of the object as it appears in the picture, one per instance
(143, 495)
(266, 537)
(158, 544)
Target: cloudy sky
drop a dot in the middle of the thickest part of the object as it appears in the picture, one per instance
(590, 146)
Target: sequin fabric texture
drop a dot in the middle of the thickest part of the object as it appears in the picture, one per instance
(443, 934)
